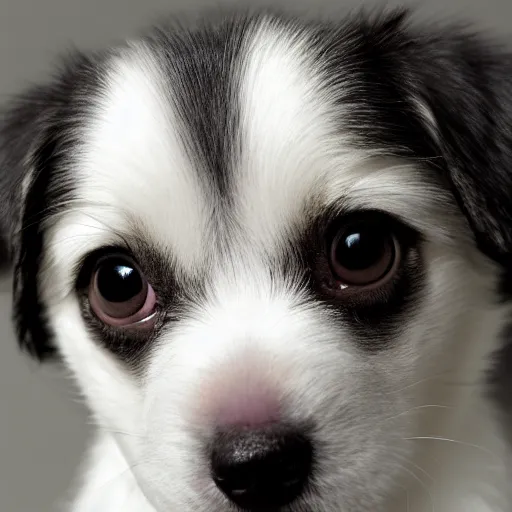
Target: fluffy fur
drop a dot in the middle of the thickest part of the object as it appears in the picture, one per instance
(215, 154)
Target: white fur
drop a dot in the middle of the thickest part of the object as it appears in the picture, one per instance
(135, 175)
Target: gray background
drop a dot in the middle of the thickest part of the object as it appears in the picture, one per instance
(43, 427)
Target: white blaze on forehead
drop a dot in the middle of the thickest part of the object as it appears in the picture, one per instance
(134, 163)
(285, 128)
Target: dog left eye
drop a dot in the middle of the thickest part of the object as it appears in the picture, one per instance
(119, 293)
(363, 253)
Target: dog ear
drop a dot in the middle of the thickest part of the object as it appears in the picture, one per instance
(465, 83)
(38, 136)
(26, 145)
(20, 129)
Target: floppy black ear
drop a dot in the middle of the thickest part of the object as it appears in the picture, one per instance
(24, 130)
(466, 83)
(27, 142)
(443, 94)
(39, 134)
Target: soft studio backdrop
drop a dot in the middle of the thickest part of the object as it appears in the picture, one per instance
(43, 427)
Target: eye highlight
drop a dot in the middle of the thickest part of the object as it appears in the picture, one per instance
(363, 253)
(119, 293)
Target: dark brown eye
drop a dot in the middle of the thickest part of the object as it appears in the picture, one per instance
(119, 293)
(363, 254)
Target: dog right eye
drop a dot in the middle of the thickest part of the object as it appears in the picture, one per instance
(363, 254)
(119, 293)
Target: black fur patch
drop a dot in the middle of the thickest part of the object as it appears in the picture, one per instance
(203, 65)
(40, 133)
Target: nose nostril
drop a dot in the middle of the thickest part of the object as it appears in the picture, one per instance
(261, 469)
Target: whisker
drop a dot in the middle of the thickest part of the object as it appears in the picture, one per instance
(423, 485)
(454, 441)
(70, 205)
(66, 207)
(120, 432)
(422, 381)
(419, 468)
(120, 475)
(419, 407)
(82, 235)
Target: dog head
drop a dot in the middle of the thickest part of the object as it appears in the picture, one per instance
(261, 244)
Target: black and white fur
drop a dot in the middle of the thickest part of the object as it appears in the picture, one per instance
(213, 153)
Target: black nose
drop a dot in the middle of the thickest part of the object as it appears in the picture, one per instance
(263, 469)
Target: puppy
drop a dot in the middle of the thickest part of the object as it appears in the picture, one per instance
(276, 256)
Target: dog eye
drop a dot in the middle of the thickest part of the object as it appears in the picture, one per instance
(363, 253)
(119, 294)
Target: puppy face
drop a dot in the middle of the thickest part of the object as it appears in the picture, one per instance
(262, 233)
